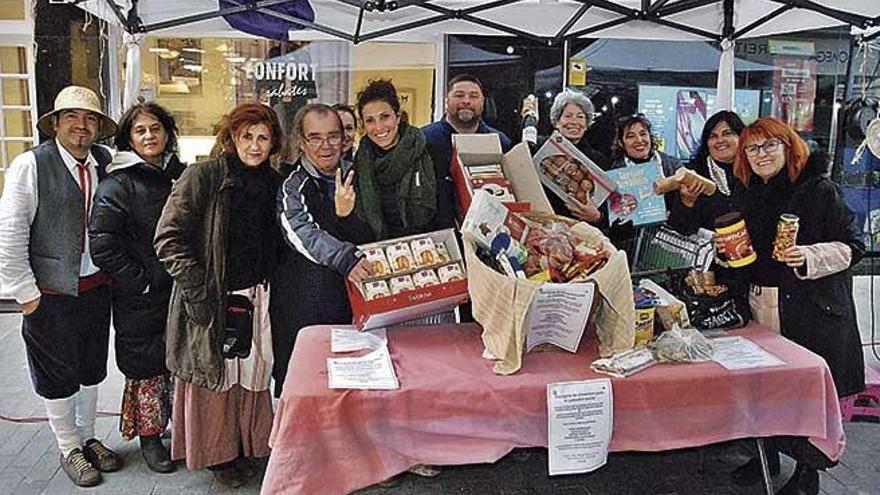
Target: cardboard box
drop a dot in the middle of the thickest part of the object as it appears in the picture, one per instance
(570, 174)
(485, 149)
(410, 304)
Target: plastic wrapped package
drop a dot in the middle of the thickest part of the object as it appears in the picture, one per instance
(682, 345)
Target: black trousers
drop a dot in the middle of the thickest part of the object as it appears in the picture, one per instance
(66, 340)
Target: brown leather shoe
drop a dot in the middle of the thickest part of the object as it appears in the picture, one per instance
(101, 457)
(80, 471)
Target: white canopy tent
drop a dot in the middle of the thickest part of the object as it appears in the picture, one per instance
(547, 21)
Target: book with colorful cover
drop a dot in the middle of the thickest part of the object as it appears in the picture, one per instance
(635, 200)
(569, 174)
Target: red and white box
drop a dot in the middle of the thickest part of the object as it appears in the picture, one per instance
(409, 304)
(485, 149)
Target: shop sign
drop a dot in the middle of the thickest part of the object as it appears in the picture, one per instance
(787, 47)
(794, 92)
(577, 72)
(285, 79)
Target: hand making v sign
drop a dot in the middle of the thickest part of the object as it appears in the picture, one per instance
(345, 195)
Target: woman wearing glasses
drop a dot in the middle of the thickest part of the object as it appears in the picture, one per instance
(323, 243)
(396, 184)
(808, 296)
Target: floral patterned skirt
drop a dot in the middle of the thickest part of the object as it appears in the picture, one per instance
(146, 406)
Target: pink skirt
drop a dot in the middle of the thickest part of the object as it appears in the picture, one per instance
(209, 428)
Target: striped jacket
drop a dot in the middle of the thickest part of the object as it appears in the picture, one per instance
(309, 222)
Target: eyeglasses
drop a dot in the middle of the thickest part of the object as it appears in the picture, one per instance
(317, 141)
(770, 146)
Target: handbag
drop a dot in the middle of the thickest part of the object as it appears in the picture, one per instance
(239, 330)
(725, 311)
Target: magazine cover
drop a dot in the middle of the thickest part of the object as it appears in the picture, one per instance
(635, 199)
(572, 176)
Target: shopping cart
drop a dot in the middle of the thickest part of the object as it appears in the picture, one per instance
(659, 250)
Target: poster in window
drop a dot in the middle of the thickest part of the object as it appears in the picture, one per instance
(794, 92)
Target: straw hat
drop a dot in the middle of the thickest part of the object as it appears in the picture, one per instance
(78, 98)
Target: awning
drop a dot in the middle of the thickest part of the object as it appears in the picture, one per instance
(542, 20)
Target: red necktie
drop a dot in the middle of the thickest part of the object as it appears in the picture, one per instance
(85, 186)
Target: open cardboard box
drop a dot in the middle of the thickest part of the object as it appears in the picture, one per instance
(485, 149)
(410, 304)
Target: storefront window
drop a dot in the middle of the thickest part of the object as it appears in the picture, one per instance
(12, 10)
(200, 80)
(16, 126)
(794, 77)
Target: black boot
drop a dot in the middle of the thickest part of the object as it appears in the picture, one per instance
(750, 472)
(804, 481)
(155, 454)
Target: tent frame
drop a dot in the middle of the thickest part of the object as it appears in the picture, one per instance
(656, 11)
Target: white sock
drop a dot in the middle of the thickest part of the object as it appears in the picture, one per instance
(62, 420)
(86, 410)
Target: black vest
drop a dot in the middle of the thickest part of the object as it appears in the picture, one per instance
(56, 235)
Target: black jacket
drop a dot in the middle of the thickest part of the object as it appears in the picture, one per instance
(127, 207)
(706, 208)
(817, 314)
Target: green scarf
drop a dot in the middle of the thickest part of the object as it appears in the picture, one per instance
(409, 166)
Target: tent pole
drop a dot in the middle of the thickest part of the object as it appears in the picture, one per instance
(682, 6)
(565, 46)
(843, 16)
(357, 30)
(598, 27)
(457, 14)
(571, 22)
(118, 13)
(762, 21)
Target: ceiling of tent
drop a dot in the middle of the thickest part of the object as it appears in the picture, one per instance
(542, 20)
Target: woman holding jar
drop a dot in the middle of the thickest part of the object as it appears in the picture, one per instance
(807, 293)
(124, 217)
(218, 238)
(395, 181)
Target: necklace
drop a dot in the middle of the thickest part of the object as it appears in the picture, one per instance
(719, 176)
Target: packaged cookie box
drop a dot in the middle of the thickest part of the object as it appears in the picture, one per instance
(403, 289)
(479, 152)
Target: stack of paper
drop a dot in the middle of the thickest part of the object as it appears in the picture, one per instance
(373, 371)
(739, 353)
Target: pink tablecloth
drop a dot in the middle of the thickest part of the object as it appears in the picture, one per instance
(451, 408)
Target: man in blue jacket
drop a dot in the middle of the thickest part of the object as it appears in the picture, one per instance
(465, 101)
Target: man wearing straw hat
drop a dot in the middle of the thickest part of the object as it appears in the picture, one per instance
(45, 265)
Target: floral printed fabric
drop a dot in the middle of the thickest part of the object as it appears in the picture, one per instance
(146, 407)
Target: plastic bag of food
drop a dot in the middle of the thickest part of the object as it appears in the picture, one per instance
(682, 345)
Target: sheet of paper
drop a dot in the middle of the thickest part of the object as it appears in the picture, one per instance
(739, 353)
(373, 371)
(558, 315)
(580, 417)
(345, 340)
